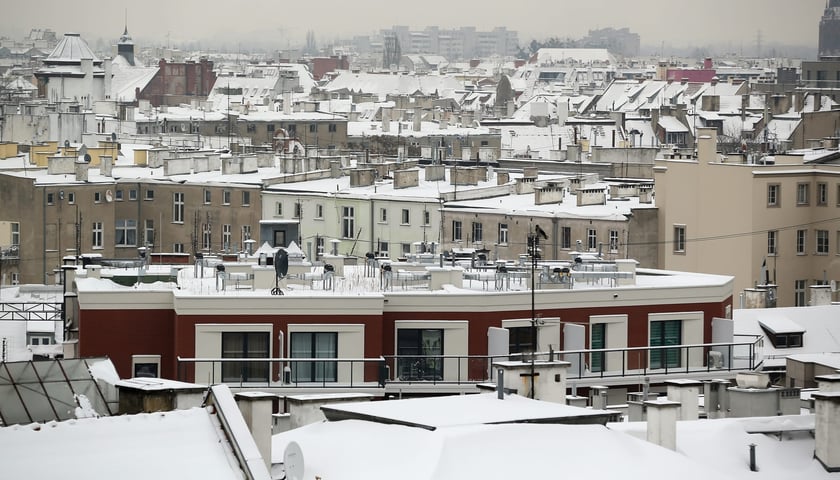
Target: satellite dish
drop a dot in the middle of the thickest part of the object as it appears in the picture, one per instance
(293, 461)
(281, 263)
(67, 144)
(87, 158)
(109, 197)
(113, 136)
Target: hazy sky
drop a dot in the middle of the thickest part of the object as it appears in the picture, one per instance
(675, 22)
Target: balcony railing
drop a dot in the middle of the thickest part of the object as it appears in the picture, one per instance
(395, 370)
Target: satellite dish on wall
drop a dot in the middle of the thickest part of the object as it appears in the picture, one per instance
(293, 461)
(67, 144)
(87, 158)
(113, 136)
(109, 197)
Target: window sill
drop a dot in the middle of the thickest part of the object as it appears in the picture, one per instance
(97, 248)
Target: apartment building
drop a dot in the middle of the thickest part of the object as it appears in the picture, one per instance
(773, 222)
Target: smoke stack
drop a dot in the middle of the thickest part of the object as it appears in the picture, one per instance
(662, 423)
(256, 411)
(827, 429)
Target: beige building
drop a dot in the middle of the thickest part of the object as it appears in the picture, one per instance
(726, 216)
(52, 215)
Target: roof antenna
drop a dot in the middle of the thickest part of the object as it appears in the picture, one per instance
(125, 32)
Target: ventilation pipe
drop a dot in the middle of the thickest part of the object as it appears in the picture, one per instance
(662, 423)
(500, 384)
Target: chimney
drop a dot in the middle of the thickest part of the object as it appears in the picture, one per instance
(108, 75)
(81, 171)
(418, 120)
(502, 178)
(598, 395)
(662, 423)
(706, 144)
(707, 63)
(686, 392)
(256, 411)
(820, 295)
(386, 120)
(827, 429)
(106, 165)
(287, 103)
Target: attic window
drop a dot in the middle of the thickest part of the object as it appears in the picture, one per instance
(782, 333)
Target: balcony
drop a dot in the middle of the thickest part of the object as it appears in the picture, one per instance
(394, 374)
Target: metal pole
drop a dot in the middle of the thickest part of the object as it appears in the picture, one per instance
(533, 307)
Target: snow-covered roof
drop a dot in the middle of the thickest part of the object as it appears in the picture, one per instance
(722, 446)
(170, 445)
(579, 55)
(461, 410)
(71, 49)
(672, 125)
(384, 84)
(822, 330)
(127, 79)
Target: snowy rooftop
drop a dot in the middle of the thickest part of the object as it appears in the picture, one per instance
(822, 331)
(170, 445)
(451, 411)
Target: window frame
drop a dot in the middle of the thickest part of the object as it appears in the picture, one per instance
(405, 219)
(178, 207)
(823, 244)
(97, 236)
(803, 194)
(822, 194)
(477, 232)
(127, 226)
(772, 243)
(328, 370)
(504, 234)
(774, 194)
(457, 231)
(802, 242)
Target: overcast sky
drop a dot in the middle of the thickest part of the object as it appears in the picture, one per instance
(675, 22)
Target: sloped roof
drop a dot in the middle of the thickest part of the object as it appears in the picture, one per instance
(71, 49)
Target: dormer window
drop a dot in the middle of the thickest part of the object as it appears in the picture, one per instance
(782, 333)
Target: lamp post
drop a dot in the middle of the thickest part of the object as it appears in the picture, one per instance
(534, 242)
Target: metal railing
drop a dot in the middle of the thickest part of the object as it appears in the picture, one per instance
(349, 373)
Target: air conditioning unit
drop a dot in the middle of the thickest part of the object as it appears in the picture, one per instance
(715, 359)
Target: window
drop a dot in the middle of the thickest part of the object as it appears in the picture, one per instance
(503, 234)
(664, 333)
(679, 238)
(207, 236)
(50, 199)
(97, 197)
(313, 128)
(457, 234)
(566, 237)
(178, 207)
(208, 196)
(822, 242)
(96, 241)
(126, 233)
(150, 195)
(132, 194)
(405, 220)
(772, 237)
(332, 128)
(314, 345)
(382, 250)
(597, 340)
(245, 345)
(226, 197)
(822, 194)
(801, 239)
(477, 232)
(35, 339)
(118, 195)
(348, 222)
(269, 127)
(799, 289)
(383, 215)
(320, 244)
(591, 239)
(298, 210)
(246, 233)
(71, 198)
(802, 194)
(520, 340)
(319, 211)
(420, 352)
(613, 241)
(427, 217)
(178, 248)
(405, 249)
(773, 194)
(246, 198)
(149, 233)
(15, 227)
(292, 129)
(278, 209)
(227, 229)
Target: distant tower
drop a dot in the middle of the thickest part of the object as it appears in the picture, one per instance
(125, 48)
(830, 30)
(392, 54)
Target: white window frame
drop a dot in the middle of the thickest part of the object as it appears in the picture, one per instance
(227, 230)
(127, 226)
(178, 207)
(503, 234)
(96, 235)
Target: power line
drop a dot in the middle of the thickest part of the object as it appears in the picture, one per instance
(736, 235)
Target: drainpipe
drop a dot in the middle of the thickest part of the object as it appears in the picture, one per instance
(44, 235)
